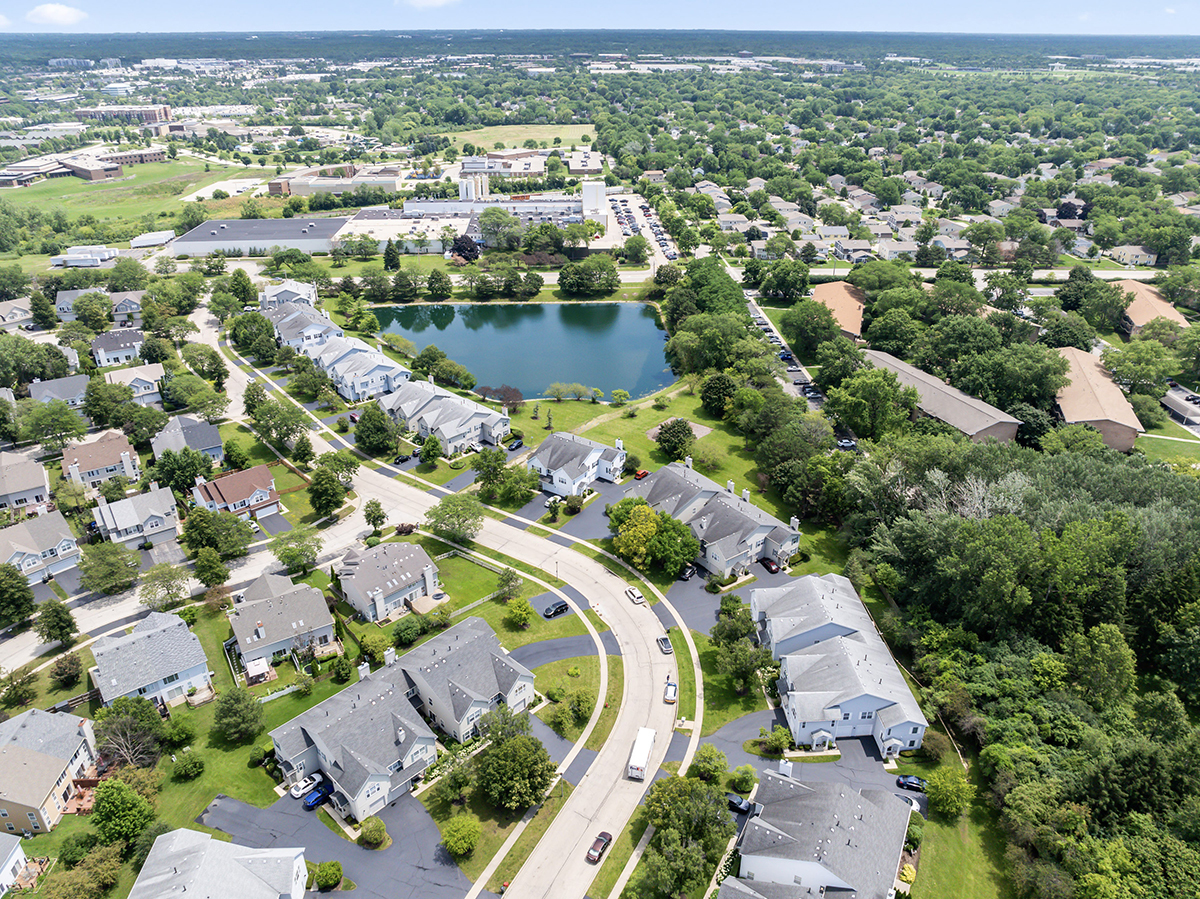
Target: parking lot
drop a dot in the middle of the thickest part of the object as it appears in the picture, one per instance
(633, 215)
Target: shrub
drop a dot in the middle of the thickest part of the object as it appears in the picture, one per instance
(179, 732)
(935, 745)
(908, 874)
(329, 875)
(573, 671)
(342, 425)
(304, 685)
(661, 402)
(374, 833)
(341, 669)
(709, 763)
(67, 671)
(257, 754)
(408, 630)
(372, 542)
(915, 834)
(743, 778)
(189, 614)
(461, 835)
(189, 767)
(574, 505)
(556, 693)
(75, 847)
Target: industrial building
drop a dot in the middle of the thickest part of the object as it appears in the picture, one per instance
(142, 114)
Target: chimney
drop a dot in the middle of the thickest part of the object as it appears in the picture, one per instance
(785, 768)
(389, 656)
(746, 494)
(620, 444)
(729, 486)
(794, 523)
(259, 630)
(429, 576)
(688, 461)
(364, 670)
(401, 733)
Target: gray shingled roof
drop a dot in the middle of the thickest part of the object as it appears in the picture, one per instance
(857, 836)
(566, 452)
(358, 729)
(160, 645)
(59, 388)
(134, 510)
(384, 568)
(35, 747)
(461, 665)
(118, 339)
(18, 474)
(186, 863)
(287, 611)
(183, 431)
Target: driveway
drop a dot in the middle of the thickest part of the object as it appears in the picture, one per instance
(591, 523)
(415, 866)
(170, 552)
(274, 524)
(699, 608)
(533, 655)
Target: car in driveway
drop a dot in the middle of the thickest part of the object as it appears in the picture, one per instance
(516, 445)
(739, 804)
(403, 457)
(664, 643)
(599, 845)
(641, 473)
(635, 595)
(305, 786)
(556, 608)
(771, 565)
(687, 572)
(671, 693)
(318, 796)
(847, 443)
(911, 782)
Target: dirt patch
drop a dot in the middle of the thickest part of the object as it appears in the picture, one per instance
(699, 430)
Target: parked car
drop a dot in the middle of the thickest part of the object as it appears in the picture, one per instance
(911, 782)
(800, 381)
(318, 796)
(254, 526)
(671, 693)
(516, 445)
(635, 595)
(847, 443)
(599, 845)
(640, 474)
(687, 572)
(664, 643)
(771, 565)
(354, 416)
(557, 608)
(739, 803)
(403, 457)
(305, 786)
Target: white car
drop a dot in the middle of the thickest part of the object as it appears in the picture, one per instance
(671, 693)
(304, 786)
(634, 594)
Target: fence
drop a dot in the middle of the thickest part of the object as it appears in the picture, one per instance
(480, 562)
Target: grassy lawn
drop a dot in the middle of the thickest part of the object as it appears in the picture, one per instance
(151, 188)
(440, 474)
(286, 478)
(515, 135)
(465, 581)
(48, 692)
(568, 415)
(618, 855)
(1173, 451)
(612, 704)
(213, 629)
(587, 678)
(686, 707)
(493, 612)
(497, 824)
(961, 859)
(827, 551)
(722, 703)
(259, 452)
(530, 836)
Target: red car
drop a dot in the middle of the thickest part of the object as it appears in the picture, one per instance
(641, 474)
(770, 565)
(598, 846)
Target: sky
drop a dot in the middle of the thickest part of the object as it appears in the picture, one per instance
(1173, 17)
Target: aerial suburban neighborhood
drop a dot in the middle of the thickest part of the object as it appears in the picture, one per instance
(563, 463)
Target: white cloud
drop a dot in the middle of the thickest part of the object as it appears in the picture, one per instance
(4, 22)
(55, 14)
(427, 4)
(1170, 11)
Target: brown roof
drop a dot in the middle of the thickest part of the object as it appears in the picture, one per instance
(1092, 394)
(846, 303)
(1148, 304)
(238, 485)
(102, 452)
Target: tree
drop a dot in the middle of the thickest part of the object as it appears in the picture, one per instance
(210, 570)
(343, 463)
(145, 842)
(189, 767)
(871, 403)
(16, 596)
(302, 450)
(787, 280)
(460, 835)
(619, 397)
(94, 310)
(675, 438)
(127, 274)
(254, 395)
(673, 545)
(375, 432)
(67, 670)
(519, 614)
(224, 305)
(465, 248)
(489, 466)
(457, 517)
(163, 585)
(54, 622)
(634, 535)
(1142, 366)
(238, 715)
(715, 392)
(178, 470)
(674, 866)
(439, 285)
(108, 567)
(241, 287)
(515, 773)
(119, 813)
(948, 790)
(695, 810)
(808, 324)
(53, 424)
(374, 514)
(742, 660)
(508, 584)
(709, 764)
(42, 311)
(297, 549)
(326, 492)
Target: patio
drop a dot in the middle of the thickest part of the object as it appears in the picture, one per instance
(28, 878)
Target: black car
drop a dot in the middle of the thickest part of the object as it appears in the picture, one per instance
(403, 457)
(685, 574)
(911, 782)
(739, 803)
(556, 608)
(516, 445)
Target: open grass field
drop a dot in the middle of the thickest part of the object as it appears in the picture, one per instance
(516, 135)
(722, 702)
(497, 824)
(147, 189)
(587, 678)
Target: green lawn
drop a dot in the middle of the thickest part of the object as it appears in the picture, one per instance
(259, 452)
(148, 189)
(49, 693)
(530, 836)
(722, 703)
(568, 415)
(497, 824)
(686, 707)
(465, 581)
(286, 478)
(556, 674)
(608, 717)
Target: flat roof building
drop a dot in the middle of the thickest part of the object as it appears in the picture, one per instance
(309, 235)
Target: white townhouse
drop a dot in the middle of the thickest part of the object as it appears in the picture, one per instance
(39, 546)
(378, 581)
(567, 464)
(456, 421)
(149, 517)
(143, 380)
(159, 660)
(288, 291)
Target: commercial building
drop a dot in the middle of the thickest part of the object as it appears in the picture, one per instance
(963, 412)
(337, 179)
(142, 114)
(309, 235)
(44, 754)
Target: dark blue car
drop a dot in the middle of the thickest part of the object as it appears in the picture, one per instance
(317, 796)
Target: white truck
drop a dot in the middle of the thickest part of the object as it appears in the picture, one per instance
(639, 759)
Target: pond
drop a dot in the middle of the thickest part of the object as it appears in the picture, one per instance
(530, 346)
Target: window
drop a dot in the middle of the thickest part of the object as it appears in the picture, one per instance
(845, 716)
(3, 813)
(915, 729)
(912, 743)
(10, 827)
(170, 678)
(866, 714)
